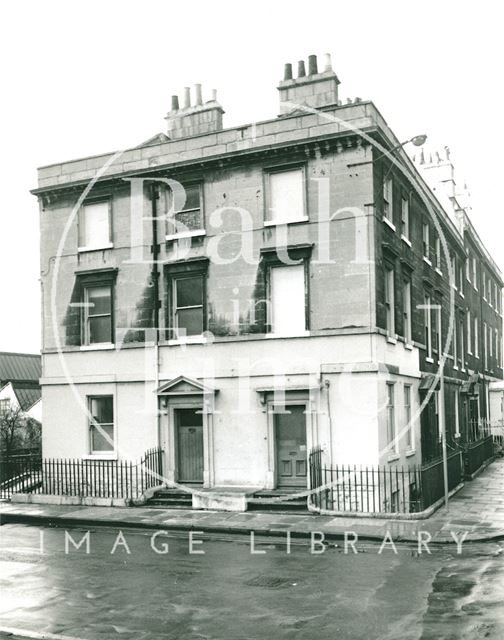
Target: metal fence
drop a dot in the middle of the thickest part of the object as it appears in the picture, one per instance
(379, 489)
(477, 453)
(83, 478)
(432, 485)
(19, 472)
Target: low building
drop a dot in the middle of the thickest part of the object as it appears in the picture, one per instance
(19, 383)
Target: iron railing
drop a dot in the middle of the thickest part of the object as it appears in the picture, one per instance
(84, 478)
(19, 473)
(379, 489)
(477, 453)
(432, 485)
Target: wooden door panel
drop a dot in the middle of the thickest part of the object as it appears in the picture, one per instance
(290, 435)
(189, 446)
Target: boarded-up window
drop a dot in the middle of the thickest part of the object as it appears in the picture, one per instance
(286, 196)
(287, 303)
(94, 225)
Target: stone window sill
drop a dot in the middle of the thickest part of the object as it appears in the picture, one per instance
(275, 223)
(99, 346)
(108, 245)
(389, 223)
(185, 234)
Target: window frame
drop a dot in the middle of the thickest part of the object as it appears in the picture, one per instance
(174, 308)
(388, 198)
(469, 332)
(190, 233)
(85, 317)
(405, 227)
(407, 396)
(284, 168)
(426, 240)
(428, 324)
(437, 264)
(81, 224)
(391, 419)
(461, 336)
(476, 336)
(407, 324)
(389, 300)
(102, 453)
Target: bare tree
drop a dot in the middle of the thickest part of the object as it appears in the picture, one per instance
(18, 430)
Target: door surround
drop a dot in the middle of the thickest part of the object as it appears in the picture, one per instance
(184, 393)
(311, 435)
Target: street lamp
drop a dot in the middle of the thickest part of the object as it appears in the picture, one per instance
(418, 141)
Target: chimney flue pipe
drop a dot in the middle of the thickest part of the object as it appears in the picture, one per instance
(312, 65)
(187, 97)
(197, 95)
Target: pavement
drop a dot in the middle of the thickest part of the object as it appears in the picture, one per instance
(476, 512)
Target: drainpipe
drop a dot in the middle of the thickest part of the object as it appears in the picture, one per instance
(155, 292)
(327, 384)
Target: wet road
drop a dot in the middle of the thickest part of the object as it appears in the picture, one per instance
(228, 593)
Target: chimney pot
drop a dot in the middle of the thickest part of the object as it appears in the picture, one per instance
(301, 69)
(187, 97)
(198, 96)
(214, 95)
(327, 62)
(174, 103)
(288, 71)
(312, 65)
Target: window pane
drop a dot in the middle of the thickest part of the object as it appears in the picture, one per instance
(286, 195)
(102, 409)
(191, 320)
(189, 292)
(95, 219)
(288, 300)
(99, 436)
(192, 197)
(100, 329)
(98, 300)
(190, 417)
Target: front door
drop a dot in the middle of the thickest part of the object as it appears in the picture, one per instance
(189, 446)
(290, 436)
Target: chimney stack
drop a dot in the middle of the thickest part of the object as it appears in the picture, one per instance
(194, 120)
(315, 90)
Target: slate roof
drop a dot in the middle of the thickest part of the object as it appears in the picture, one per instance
(18, 367)
(23, 371)
(27, 396)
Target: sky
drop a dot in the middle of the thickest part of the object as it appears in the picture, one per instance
(83, 78)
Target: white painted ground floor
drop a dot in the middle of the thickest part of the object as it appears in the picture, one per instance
(227, 425)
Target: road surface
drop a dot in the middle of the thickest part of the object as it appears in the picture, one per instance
(229, 593)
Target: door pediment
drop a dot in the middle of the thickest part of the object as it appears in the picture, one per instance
(183, 386)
